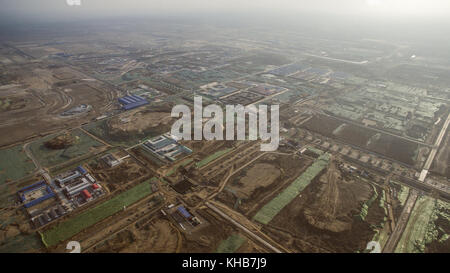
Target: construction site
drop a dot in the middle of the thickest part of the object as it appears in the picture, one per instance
(88, 155)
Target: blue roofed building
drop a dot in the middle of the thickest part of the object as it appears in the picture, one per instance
(182, 210)
(132, 101)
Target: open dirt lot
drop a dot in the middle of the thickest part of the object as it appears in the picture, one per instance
(322, 217)
(133, 126)
(162, 235)
(119, 176)
(33, 99)
(257, 183)
(139, 121)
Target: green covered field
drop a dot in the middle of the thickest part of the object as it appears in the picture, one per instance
(415, 231)
(14, 164)
(403, 194)
(175, 167)
(76, 224)
(212, 157)
(48, 157)
(271, 209)
(231, 244)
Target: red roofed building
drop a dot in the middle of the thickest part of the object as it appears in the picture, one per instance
(86, 194)
(95, 186)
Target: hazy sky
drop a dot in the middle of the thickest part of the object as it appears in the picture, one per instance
(54, 9)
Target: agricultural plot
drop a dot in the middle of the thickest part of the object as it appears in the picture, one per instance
(365, 207)
(387, 145)
(402, 194)
(437, 236)
(270, 210)
(14, 164)
(82, 144)
(212, 157)
(79, 222)
(231, 244)
(413, 237)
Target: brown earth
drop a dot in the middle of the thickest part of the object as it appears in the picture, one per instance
(322, 218)
(256, 184)
(386, 145)
(139, 121)
(60, 142)
(117, 177)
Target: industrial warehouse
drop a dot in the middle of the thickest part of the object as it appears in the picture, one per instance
(166, 148)
(185, 219)
(35, 194)
(131, 102)
(68, 191)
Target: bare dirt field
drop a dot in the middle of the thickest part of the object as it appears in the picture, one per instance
(133, 126)
(30, 112)
(159, 235)
(323, 217)
(119, 176)
(251, 187)
(163, 235)
(139, 121)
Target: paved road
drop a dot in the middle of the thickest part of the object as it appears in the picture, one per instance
(437, 144)
(249, 232)
(28, 152)
(401, 223)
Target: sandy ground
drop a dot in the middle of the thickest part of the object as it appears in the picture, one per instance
(139, 121)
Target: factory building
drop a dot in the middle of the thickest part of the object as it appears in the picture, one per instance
(110, 160)
(90, 178)
(25, 193)
(74, 189)
(82, 170)
(132, 101)
(62, 180)
(182, 210)
(86, 194)
(166, 147)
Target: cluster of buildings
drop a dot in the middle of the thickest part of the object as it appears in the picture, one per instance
(217, 90)
(35, 198)
(78, 186)
(166, 148)
(35, 194)
(110, 160)
(48, 201)
(184, 218)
